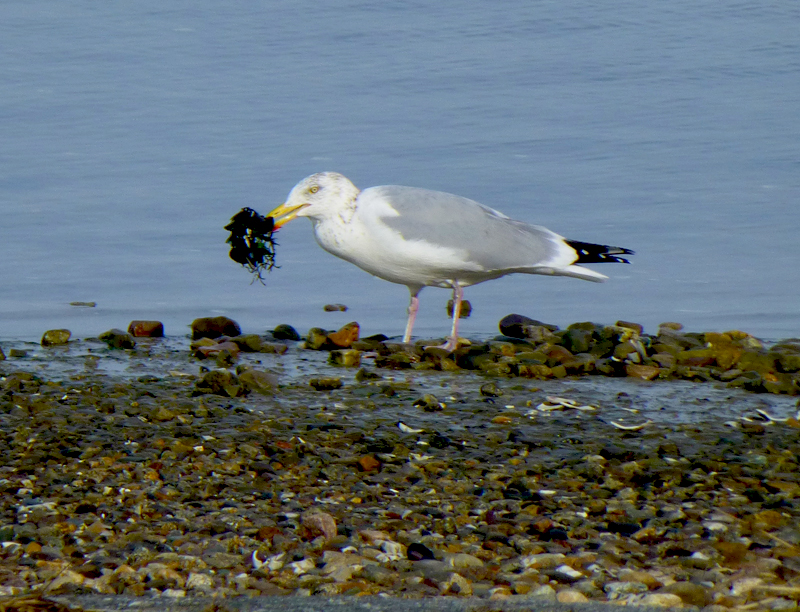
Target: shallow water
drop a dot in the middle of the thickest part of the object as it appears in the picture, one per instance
(131, 133)
(622, 400)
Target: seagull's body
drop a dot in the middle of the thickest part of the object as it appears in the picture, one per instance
(423, 238)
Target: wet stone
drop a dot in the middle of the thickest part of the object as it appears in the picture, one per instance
(214, 327)
(334, 308)
(285, 332)
(118, 339)
(146, 329)
(325, 384)
(220, 382)
(56, 337)
(348, 358)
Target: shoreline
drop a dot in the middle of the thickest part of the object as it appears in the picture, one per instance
(123, 476)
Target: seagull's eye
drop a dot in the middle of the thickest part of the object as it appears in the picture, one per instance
(313, 189)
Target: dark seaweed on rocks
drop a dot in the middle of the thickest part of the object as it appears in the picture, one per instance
(251, 241)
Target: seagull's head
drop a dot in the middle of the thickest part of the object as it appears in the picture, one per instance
(320, 196)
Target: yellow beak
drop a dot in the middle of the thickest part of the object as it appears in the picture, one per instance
(283, 214)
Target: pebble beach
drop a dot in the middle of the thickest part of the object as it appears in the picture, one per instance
(591, 464)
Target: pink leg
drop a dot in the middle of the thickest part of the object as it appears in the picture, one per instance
(458, 295)
(412, 314)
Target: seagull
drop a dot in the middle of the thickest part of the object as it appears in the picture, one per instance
(422, 238)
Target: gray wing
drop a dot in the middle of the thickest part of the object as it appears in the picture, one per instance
(489, 239)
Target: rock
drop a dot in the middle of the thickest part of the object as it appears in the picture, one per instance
(118, 339)
(545, 591)
(348, 358)
(466, 309)
(571, 596)
(259, 381)
(368, 463)
(208, 348)
(2, 354)
(200, 582)
(662, 600)
(617, 589)
(220, 382)
(56, 337)
(669, 326)
(491, 389)
(419, 552)
(320, 523)
(519, 326)
(325, 384)
(334, 308)
(146, 329)
(457, 584)
(248, 343)
(316, 338)
(644, 372)
(345, 336)
(690, 593)
(429, 403)
(285, 332)
(214, 327)
(463, 561)
(629, 575)
(577, 340)
(637, 327)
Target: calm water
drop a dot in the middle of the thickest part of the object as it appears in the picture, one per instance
(131, 132)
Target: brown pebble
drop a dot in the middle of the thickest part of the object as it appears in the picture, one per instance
(146, 329)
(645, 372)
(637, 327)
(368, 463)
(320, 523)
(334, 308)
(345, 336)
(690, 592)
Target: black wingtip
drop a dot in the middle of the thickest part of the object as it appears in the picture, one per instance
(599, 253)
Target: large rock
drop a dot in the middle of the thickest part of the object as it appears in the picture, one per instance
(520, 326)
(214, 327)
(56, 337)
(285, 332)
(118, 339)
(146, 329)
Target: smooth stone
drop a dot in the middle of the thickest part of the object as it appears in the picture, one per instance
(690, 593)
(146, 329)
(571, 596)
(325, 384)
(16, 353)
(463, 561)
(214, 327)
(259, 381)
(662, 600)
(520, 326)
(285, 332)
(348, 358)
(637, 327)
(644, 372)
(334, 308)
(249, 343)
(316, 338)
(2, 354)
(345, 336)
(118, 339)
(466, 309)
(619, 588)
(220, 382)
(55, 337)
